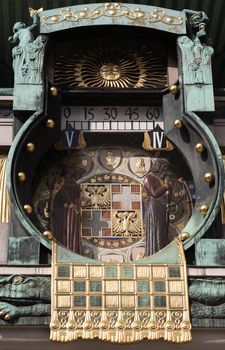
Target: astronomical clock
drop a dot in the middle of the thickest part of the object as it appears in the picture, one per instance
(112, 172)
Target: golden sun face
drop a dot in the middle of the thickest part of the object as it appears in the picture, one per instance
(109, 67)
(110, 72)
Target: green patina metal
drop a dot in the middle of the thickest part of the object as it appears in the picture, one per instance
(11, 183)
(195, 131)
(30, 296)
(28, 58)
(23, 250)
(210, 252)
(168, 255)
(24, 296)
(6, 92)
(195, 74)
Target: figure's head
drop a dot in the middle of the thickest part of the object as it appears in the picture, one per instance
(17, 26)
(160, 165)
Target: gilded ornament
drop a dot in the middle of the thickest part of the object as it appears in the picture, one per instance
(34, 12)
(83, 14)
(112, 10)
(169, 325)
(147, 144)
(71, 325)
(209, 177)
(137, 325)
(50, 124)
(30, 147)
(122, 68)
(48, 234)
(153, 325)
(21, 176)
(186, 325)
(54, 91)
(17, 280)
(199, 147)
(55, 325)
(174, 89)
(7, 317)
(104, 325)
(110, 72)
(88, 325)
(28, 208)
(140, 14)
(178, 124)
(184, 236)
(1, 313)
(169, 20)
(114, 320)
(54, 19)
(120, 324)
(204, 209)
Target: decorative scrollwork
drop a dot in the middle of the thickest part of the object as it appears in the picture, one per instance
(114, 10)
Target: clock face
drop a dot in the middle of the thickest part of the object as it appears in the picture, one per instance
(109, 185)
(114, 204)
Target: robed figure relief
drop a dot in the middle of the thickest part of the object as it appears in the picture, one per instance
(65, 213)
(158, 185)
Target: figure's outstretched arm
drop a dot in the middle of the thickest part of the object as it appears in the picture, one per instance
(35, 21)
(13, 39)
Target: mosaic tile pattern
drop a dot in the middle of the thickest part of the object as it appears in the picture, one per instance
(120, 302)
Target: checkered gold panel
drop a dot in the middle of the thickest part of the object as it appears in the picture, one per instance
(120, 302)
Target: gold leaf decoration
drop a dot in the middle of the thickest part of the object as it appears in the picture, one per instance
(114, 10)
(111, 67)
(4, 202)
(121, 303)
(126, 223)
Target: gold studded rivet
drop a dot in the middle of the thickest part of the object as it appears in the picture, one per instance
(28, 208)
(7, 317)
(204, 209)
(208, 177)
(54, 91)
(50, 124)
(1, 313)
(21, 176)
(174, 89)
(30, 147)
(184, 236)
(199, 147)
(178, 124)
(48, 234)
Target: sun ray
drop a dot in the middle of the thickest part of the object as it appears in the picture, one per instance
(112, 67)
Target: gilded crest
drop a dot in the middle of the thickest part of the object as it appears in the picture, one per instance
(110, 158)
(140, 166)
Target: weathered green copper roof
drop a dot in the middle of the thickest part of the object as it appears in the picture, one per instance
(17, 10)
